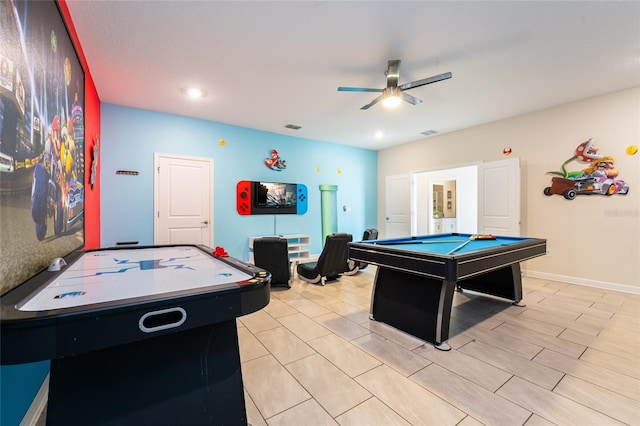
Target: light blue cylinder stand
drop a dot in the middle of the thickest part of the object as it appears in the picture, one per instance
(329, 202)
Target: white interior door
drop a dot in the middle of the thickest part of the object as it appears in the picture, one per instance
(183, 200)
(398, 206)
(499, 197)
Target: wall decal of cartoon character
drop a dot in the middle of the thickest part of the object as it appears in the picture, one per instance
(599, 176)
(275, 162)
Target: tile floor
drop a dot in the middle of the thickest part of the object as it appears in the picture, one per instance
(570, 357)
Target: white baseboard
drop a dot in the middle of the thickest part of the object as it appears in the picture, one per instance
(38, 405)
(582, 281)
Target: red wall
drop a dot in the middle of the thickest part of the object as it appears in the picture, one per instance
(91, 136)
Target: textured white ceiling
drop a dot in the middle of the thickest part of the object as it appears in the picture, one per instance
(266, 64)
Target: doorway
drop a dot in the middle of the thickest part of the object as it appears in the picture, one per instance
(487, 199)
(183, 200)
(445, 201)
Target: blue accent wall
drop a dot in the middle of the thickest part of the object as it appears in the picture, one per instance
(130, 137)
(19, 384)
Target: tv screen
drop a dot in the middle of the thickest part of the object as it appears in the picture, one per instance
(41, 141)
(274, 198)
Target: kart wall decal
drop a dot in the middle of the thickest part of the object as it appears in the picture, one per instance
(599, 176)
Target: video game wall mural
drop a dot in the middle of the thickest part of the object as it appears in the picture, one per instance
(597, 174)
(42, 167)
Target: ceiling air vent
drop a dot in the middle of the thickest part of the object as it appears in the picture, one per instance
(429, 132)
(293, 127)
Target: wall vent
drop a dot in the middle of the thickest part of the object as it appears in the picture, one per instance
(293, 127)
(428, 132)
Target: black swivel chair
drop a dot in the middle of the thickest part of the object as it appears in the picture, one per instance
(332, 263)
(369, 234)
(272, 254)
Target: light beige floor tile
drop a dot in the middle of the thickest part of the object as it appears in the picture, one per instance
(469, 421)
(330, 387)
(561, 321)
(542, 340)
(393, 355)
(612, 362)
(254, 418)
(620, 347)
(411, 401)
(271, 387)
(308, 307)
(478, 402)
(472, 369)
(610, 403)
(590, 294)
(303, 327)
(553, 407)
(507, 343)
(352, 360)
(624, 320)
(308, 413)
(259, 321)
(284, 345)
(574, 297)
(592, 373)
(250, 346)
(536, 420)
(514, 318)
(466, 317)
(372, 412)
(323, 296)
(356, 313)
(342, 326)
(522, 367)
(555, 304)
(613, 333)
(397, 336)
(277, 308)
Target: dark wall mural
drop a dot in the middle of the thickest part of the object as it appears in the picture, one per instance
(41, 140)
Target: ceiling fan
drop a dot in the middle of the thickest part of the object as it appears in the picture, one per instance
(394, 93)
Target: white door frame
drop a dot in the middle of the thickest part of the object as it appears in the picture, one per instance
(156, 188)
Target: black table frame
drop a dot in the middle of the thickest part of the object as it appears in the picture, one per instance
(106, 370)
(413, 290)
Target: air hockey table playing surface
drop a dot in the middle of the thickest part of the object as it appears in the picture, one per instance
(116, 275)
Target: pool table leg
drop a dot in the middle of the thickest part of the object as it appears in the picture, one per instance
(505, 282)
(415, 304)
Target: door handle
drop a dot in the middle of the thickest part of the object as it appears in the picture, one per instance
(206, 222)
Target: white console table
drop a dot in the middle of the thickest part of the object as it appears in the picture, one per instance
(298, 247)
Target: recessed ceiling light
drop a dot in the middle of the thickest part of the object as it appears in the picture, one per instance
(379, 135)
(194, 92)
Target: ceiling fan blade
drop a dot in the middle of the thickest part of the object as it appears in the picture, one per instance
(393, 75)
(372, 103)
(424, 81)
(411, 99)
(358, 89)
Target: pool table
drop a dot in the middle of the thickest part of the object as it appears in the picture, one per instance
(417, 276)
(136, 335)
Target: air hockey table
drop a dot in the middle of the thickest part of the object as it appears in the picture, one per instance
(143, 335)
(416, 276)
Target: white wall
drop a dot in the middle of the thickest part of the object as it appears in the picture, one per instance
(593, 239)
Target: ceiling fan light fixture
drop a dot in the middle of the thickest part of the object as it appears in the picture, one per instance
(391, 97)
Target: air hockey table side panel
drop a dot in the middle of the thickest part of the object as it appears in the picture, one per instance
(29, 336)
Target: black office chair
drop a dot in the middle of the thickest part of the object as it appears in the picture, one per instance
(272, 254)
(369, 234)
(332, 263)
